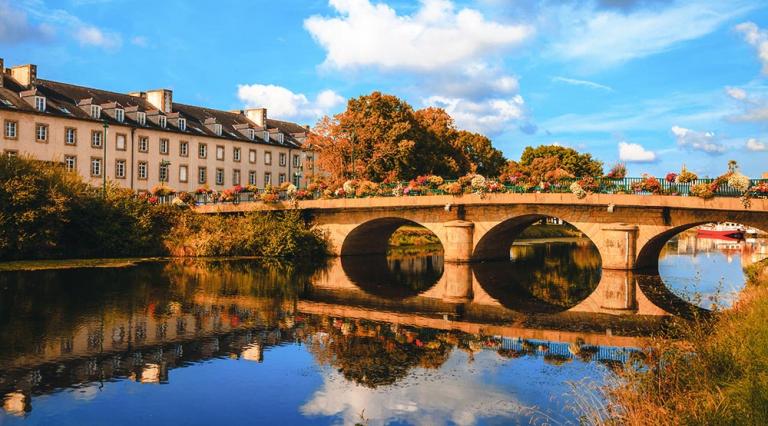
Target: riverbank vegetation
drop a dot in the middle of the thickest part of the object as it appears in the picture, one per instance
(47, 212)
(716, 373)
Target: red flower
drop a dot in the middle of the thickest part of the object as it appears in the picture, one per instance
(671, 177)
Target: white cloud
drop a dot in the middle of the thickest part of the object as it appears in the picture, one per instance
(433, 37)
(89, 35)
(285, 104)
(635, 153)
(758, 38)
(140, 41)
(736, 93)
(604, 38)
(14, 27)
(755, 145)
(489, 116)
(451, 394)
(697, 141)
(585, 83)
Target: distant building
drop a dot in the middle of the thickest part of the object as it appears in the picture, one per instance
(150, 139)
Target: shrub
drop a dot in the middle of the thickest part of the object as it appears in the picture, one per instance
(618, 171)
(686, 176)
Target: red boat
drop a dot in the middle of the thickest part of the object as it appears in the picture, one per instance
(722, 230)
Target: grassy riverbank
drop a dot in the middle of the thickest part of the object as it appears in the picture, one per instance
(716, 374)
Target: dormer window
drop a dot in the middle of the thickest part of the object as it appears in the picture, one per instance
(251, 134)
(95, 111)
(280, 137)
(217, 129)
(119, 115)
(162, 120)
(183, 124)
(266, 136)
(40, 103)
(141, 118)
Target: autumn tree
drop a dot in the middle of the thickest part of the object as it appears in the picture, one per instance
(380, 137)
(569, 159)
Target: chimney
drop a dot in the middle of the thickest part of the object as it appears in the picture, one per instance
(25, 74)
(161, 99)
(258, 116)
(2, 71)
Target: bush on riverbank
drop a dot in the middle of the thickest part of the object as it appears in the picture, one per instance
(716, 374)
(47, 212)
(274, 234)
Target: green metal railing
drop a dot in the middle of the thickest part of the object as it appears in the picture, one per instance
(601, 186)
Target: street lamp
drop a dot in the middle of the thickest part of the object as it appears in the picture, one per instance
(104, 166)
(297, 176)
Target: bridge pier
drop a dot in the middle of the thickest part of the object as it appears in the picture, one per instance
(458, 283)
(458, 244)
(618, 246)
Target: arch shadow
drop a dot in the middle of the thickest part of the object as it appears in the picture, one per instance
(396, 279)
(372, 237)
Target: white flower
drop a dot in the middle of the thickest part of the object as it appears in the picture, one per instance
(398, 190)
(290, 190)
(738, 182)
(478, 182)
(349, 186)
(577, 190)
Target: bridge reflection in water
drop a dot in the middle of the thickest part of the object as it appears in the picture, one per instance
(68, 328)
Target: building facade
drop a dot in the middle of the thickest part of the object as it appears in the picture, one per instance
(142, 139)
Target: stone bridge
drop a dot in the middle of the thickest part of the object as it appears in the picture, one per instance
(629, 231)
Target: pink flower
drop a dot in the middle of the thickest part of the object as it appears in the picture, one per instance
(671, 177)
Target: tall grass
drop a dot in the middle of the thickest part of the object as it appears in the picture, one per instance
(713, 371)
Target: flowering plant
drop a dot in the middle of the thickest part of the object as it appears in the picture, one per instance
(269, 197)
(153, 200)
(478, 182)
(203, 190)
(760, 190)
(685, 176)
(671, 177)
(577, 190)
(340, 193)
(162, 190)
(186, 198)
(237, 189)
(435, 181)
(494, 186)
(703, 190)
(618, 171)
(588, 184)
(252, 188)
(738, 182)
(290, 189)
(302, 194)
(367, 188)
(647, 184)
(453, 188)
(350, 186)
(227, 195)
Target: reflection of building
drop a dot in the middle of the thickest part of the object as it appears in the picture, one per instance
(746, 251)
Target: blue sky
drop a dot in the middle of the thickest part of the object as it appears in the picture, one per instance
(651, 82)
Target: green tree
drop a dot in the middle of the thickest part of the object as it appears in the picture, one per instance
(569, 159)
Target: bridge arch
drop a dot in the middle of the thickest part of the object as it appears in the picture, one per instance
(372, 237)
(649, 250)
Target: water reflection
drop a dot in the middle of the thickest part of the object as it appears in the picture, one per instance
(312, 344)
(709, 271)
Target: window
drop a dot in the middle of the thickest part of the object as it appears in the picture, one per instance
(162, 121)
(96, 166)
(120, 142)
(96, 138)
(120, 169)
(267, 158)
(70, 136)
(296, 160)
(41, 132)
(70, 162)
(297, 180)
(143, 144)
(252, 178)
(202, 175)
(236, 177)
(219, 176)
(202, 150)
(141, 118)
(11, 129)
(236, 154)
(141, 170)
(267, 178)
(164, 146)
(251, 134)
(164, 168)
(219, 152)
(283, 159)
(95, 111)
(252, 156)
(217, 129)
(281, 178)
(183, 149)
(183, 124)
(265, 135)
(280, 137)
(120, 115)
(40, 103)
(183, 173)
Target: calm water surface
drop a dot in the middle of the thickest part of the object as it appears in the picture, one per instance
(398, 340)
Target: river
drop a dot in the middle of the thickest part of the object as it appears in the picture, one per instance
(400, 340)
